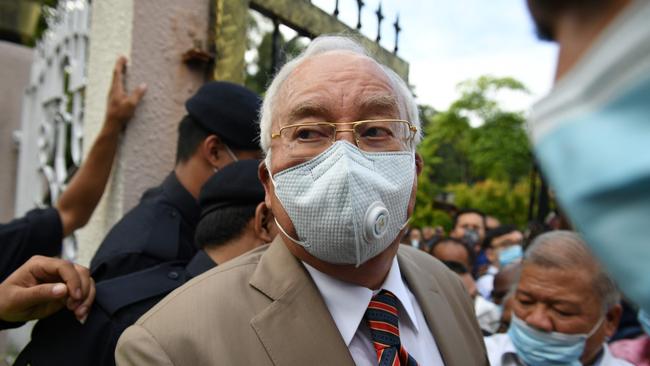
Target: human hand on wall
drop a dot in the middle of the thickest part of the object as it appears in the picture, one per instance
(121, 106)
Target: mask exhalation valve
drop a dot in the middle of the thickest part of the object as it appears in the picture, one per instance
(376, 222)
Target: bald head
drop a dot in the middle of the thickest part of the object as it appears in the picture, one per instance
(565, 250)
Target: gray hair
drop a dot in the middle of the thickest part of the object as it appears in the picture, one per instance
(408, 108)
(566, 250)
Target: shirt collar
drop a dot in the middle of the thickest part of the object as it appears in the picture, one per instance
(201, 262)
(347, 303)
(181, 198)
(605, 357)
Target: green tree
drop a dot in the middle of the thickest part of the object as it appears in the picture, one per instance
(478, 152)
(259, 80)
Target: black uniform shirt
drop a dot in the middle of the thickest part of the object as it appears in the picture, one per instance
(62, 340)
(39, 232)
(159, 229)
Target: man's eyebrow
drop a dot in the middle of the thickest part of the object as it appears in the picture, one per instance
(380, 103)
(308, 109)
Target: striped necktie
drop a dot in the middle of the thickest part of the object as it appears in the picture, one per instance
(382, 319)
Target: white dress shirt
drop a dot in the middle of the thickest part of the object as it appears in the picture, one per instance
(347, 303)
(485, 283)
(501, 352)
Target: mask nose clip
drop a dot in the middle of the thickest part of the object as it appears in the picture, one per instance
(375, 222)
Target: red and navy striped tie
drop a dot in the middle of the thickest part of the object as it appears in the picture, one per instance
(382, 319)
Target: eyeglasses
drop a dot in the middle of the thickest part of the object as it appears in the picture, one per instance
(305, 140)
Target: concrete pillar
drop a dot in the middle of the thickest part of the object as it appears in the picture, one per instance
(153, 35)
(15, 62)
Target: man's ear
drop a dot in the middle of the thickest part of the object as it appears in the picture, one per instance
(263, 218)
(210, 149)
(612, 318)
(419, 163)
(263, 175)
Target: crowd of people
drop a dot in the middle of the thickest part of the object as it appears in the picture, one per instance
(530, 287)
(281, 237)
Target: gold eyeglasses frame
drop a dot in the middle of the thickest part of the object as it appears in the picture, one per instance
(412, 129)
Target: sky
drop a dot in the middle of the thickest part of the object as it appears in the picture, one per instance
(446, 42)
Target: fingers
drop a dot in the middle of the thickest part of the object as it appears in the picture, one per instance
(84, 287)
(137, 94)
(118, 72)
(44, 285)
(81, 312)
(40, 294)
(67, 273)
(121, 106)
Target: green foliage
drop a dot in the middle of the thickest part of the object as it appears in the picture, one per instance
(259, 80)
(500, 199)
(484, 165)
(499, 148)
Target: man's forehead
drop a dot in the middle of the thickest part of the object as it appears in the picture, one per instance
(326, 81)
(470, 217)
(553, 282)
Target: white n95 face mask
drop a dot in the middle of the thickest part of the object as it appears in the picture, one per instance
(347, 205)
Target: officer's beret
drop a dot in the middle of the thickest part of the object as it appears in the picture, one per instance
(229, 111)
(235, 185)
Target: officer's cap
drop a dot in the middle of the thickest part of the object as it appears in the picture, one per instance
(229, 111)
(235, 185)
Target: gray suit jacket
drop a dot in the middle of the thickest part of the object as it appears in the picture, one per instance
(264, 309)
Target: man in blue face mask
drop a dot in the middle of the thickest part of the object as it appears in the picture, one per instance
(591, 133)
(502, 246)
(563, 310)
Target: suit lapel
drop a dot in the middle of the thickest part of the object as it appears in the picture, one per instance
(437, 311)
(296, 328)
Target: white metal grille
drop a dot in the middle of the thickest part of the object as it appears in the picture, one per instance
(51, 133)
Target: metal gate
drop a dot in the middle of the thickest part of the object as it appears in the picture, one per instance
(306, 19)
(50, 138)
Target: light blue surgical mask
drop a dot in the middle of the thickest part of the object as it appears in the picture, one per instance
(591, 138)
(644, 320)
(510, 254)
(535, 347)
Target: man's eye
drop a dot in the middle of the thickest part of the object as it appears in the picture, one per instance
(310, 134)
(377, 132)
(525, 300)
(563, 312)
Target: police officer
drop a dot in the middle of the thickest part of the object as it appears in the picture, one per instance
(234, 219)
(41, 231)
(220, 128)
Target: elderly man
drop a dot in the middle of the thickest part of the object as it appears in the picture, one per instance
(336, 287)
(563, 310)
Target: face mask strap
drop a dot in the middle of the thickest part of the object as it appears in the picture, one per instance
(597, 326)
(232, 154)
(301, 243)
